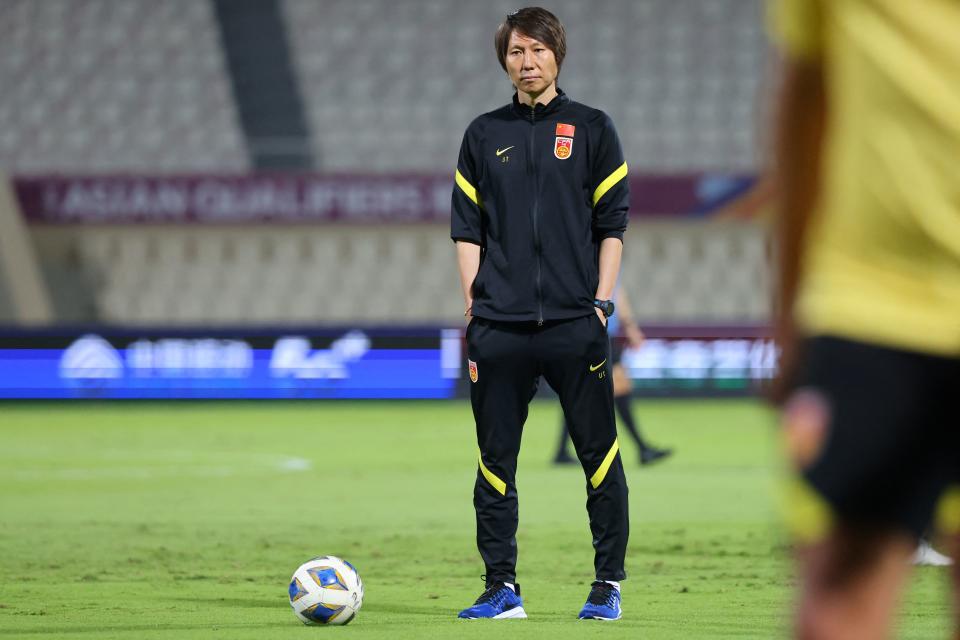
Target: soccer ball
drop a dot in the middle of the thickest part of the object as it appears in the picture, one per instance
(326, 590)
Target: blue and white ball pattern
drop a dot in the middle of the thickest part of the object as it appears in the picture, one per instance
(326, 590)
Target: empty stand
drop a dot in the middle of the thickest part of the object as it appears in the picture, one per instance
(389, 86)
(101, 85)
(713, 272)
(392, 84)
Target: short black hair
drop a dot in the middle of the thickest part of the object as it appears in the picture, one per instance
(536, 23)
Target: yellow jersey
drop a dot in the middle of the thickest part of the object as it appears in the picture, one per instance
(881, 263)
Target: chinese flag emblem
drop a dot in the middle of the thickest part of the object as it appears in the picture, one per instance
(563, 147)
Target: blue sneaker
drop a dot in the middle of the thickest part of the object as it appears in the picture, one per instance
(498, 602)
(603, 603)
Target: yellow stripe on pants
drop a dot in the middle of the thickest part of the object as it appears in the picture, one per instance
(494, 481)
(605, 465)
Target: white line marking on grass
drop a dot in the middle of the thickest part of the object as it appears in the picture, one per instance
(164, 465)
(295, 464)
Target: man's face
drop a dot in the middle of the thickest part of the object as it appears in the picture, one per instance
(531, 66)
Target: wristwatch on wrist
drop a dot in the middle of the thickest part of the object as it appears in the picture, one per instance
(604, 305)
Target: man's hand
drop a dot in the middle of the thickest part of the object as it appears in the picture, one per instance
(468, 263)
(600, 315)
(635, 336)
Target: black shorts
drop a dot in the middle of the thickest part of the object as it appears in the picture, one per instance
(892, 442)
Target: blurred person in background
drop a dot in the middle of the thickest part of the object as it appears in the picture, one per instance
(540, 206)
(622, 386)
(868, 226)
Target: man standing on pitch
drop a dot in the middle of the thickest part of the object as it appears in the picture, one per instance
(539, 210)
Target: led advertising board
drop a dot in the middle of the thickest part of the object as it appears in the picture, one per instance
(366, 363)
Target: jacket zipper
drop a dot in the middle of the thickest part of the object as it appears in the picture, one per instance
(536, 215)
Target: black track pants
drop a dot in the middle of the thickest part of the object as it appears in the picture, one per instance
(506, 360)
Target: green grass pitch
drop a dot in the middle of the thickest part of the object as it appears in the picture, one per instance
(186, 521)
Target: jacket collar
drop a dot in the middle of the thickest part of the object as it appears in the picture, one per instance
(540, 110)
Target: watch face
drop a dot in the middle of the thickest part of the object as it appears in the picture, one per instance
(606, 306)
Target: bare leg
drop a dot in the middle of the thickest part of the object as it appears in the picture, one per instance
(621, 394)
(621, 381)
(851, 582)
(622, 388)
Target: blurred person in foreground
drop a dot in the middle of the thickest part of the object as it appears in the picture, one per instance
(622, 387)
(868, 227)
(539, 210)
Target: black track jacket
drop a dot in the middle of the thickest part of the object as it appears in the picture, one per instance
(538, 189)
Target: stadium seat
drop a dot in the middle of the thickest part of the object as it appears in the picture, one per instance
(675, 272)
(695, 68)
(163, 105)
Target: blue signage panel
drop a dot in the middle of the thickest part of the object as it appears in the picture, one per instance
(346, 364)
(365, 363)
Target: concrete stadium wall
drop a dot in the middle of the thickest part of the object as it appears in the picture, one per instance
(23, 292)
